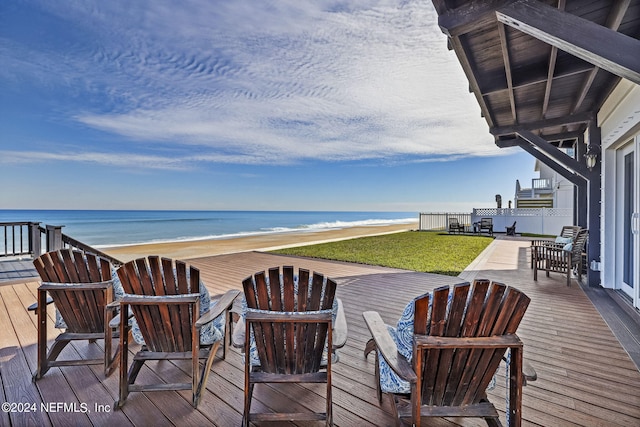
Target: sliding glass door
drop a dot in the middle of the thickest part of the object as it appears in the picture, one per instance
(628, 221)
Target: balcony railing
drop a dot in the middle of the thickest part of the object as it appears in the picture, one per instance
(25, 239)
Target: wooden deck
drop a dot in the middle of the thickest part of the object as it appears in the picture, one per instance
(584, 375)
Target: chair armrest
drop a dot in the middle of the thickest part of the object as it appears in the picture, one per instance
(387, 347)
(557, 251)
(529, 372)
(113, 305)
(340, 327)
(34, 306)
(223, 304)
(115, 322)
(545, 242)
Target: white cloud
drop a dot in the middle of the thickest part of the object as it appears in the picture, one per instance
(109, 159)
(283, 81)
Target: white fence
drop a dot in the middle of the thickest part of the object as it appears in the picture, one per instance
(440, 220)
(536, 221)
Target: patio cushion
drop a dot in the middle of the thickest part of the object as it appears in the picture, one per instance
(564, 240)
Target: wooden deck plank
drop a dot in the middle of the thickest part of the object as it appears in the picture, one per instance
(585, 376)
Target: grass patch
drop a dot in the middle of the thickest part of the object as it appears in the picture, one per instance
(425, 251)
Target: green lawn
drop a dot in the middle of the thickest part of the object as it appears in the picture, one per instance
(431, 252)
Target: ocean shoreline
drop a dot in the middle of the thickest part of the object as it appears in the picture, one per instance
(256, 242)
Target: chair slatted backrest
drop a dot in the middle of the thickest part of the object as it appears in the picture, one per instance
(81, 307)
(289, 347)
(579, 242)
(460, 376)
(570, 231)
(166, 325)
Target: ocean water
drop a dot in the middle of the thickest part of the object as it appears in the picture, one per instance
(104, 228)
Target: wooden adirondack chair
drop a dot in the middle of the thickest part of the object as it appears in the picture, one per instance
(455, 226)
(486, 224)
(567, 232)
(460, 336)
(81, 288)
(561, 259)
(292, 330)
(165, 300)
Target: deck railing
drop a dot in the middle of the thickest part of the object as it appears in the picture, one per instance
(19, 238)
(25, 239)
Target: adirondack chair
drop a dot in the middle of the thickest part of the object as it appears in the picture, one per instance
(511, 231)
(486, 224)
(567, 235)
(172, 320)
(445, 351)
(81, 287)
(290, 325)
(455, 226)
(561, 259)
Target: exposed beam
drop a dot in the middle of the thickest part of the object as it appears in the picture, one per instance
(605, 48)
(468, 68)
(550, 71)
(563, 136)
(613, 22)
(557, 155)
(474, 14)
(557, 167)
(547, 88)
(526, 78)
(504, 43)
(541, 124)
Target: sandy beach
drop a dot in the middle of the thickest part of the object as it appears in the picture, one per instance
(202, 248)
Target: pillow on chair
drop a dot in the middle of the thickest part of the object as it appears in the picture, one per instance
(564, 240)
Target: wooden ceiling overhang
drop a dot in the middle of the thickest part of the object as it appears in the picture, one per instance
(541, 70)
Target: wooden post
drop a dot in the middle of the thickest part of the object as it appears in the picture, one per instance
(54, 237)
(594, 208)
(35, 239)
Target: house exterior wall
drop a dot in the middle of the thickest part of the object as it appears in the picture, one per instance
(619, 120)
(563, 189)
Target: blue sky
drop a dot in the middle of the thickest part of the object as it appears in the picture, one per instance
(200, 104)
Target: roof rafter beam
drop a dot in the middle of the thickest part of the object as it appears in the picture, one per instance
(553, 164)
(531, 78)
(559, 121)
(459, 21)
(468, 68)
(563, 136)
(601, 46)
(551, 70)
(613, 22)
(504, 44)
(554, 153)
